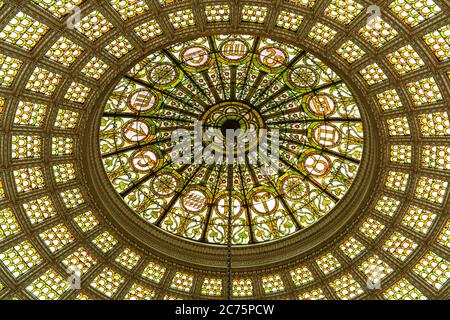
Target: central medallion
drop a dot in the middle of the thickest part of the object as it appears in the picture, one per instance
(192, 95)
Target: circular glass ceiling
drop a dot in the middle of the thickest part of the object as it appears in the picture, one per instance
(300, 112)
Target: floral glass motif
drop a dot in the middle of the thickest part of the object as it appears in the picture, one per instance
(2, 190)
(168, 90)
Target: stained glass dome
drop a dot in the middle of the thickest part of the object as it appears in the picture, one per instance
(357, 207)
(232, 82)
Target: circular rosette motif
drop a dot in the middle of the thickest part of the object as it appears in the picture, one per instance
(296, 131)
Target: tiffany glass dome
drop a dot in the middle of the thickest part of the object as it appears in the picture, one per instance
(232, 82)
(96, 97)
